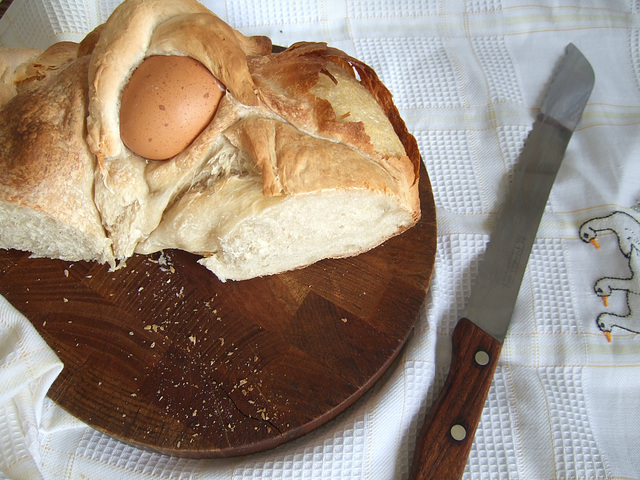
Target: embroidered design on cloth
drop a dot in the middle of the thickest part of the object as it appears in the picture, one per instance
(627, 229)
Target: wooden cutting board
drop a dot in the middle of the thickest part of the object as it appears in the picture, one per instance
(161, 354)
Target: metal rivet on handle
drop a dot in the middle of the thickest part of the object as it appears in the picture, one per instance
(482, 357)
(458, 432)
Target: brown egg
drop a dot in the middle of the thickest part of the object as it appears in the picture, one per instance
(165, 105)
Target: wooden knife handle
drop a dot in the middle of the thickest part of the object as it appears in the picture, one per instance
(447, 434)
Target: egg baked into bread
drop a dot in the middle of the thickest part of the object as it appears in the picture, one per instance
(260, 162)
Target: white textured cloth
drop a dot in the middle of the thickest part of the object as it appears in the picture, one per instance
(468, 77)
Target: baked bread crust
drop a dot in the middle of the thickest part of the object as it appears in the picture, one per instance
(141, 28)
(46, 170)
(308, 123)
(131, 205)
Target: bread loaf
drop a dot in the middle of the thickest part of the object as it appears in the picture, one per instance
(46, 169)
(305, 158)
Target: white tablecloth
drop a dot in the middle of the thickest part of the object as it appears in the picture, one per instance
(468, 77)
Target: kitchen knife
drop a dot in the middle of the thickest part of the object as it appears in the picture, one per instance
(447, 434)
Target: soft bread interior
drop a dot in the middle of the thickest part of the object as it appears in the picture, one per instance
(243, 234)
(300, 230)
(27, 229)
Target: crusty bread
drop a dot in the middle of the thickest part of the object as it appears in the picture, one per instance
(46, 170)
(10, 61)
(133, 193)
(306, 157)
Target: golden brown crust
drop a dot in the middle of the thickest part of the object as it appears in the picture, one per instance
(222, 53)
(88, 43)
(384, 98)
(292, 162)
(130, 205)
(45, 164)
(314, 87)
(12, 59)
(29, 148)
(20, 68)
(140, 28)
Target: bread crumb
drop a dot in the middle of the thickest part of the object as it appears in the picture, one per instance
(344, 320)
(66, 273)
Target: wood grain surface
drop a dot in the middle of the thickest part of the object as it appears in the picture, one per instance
(439, 452)
(162, 355)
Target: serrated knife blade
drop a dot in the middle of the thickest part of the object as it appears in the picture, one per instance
(447, 434)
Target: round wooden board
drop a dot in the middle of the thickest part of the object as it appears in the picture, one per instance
(161, 354)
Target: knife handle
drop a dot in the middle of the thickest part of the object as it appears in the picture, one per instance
(447, 434)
